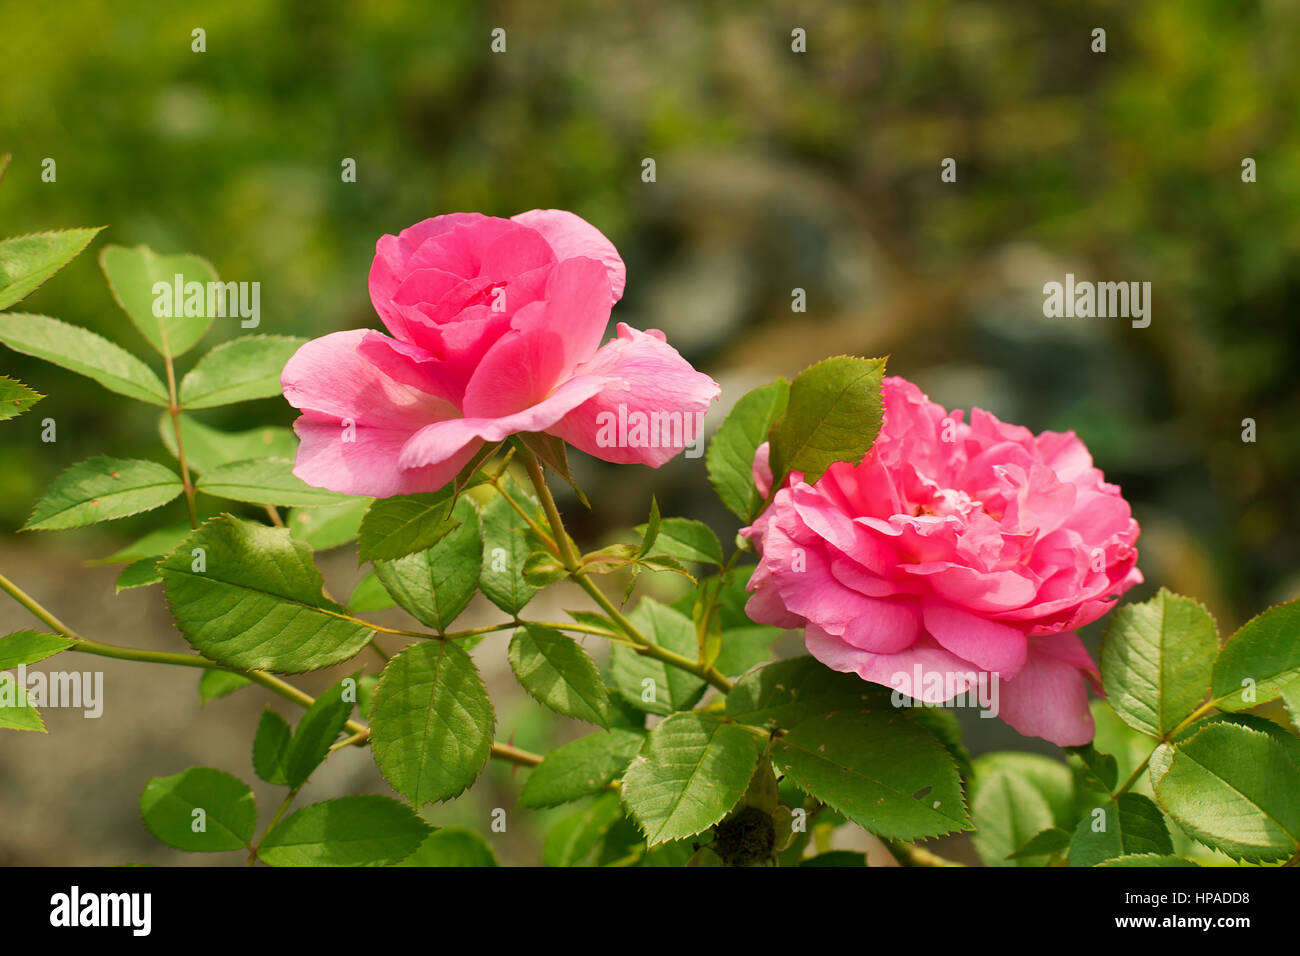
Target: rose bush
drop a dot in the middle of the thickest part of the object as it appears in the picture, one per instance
(952, 549)
(902, 540)
(496, 329)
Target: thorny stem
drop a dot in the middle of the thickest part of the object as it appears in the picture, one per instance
(284, 806)
(536, 528)
(512, 754)
(711, 600)
(360, 732)
(269, 681)
(1134, 776)
(573, 565)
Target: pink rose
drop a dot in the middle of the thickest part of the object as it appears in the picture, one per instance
(496, 329)
(952, 553)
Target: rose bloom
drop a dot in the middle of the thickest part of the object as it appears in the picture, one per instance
(936, 564)
(496, 328)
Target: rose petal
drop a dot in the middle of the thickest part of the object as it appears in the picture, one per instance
(1048, 698)
(440, 440)
(547, 341)
(651, 413)
(925, 671)
(987, 644)
(571, 236)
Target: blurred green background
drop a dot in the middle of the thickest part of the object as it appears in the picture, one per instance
(776, 170)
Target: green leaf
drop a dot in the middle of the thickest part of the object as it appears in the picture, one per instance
(82, 351)
(206, 447)
(833, 415)
(1286, 738)
(214, 684)
(366, 684)
(649, 684)
(264, 481)
(435, 585)
(731, 452)
(1008, 810)
(452, 846)
(743, 647)
(15, 712)
(685, 540)
(786, 693)
(201, 810)
(1156, 659)
(601, 561)
(329, 526)
(578, 769)
(131, 275)
(507, 543)
(102, 489)
(431, 722)
(555, 670)
(29, 647)
(690, 772)
(474, 472)
(139, 574)
(1044, 843)
(240, 370)
(27, 261)
(15, 398)
(662, 562)
(543, 569)
(1132, 824)
(1013, 797)
(891, 776)
(271, 748)
(1233, 788)
(317, 731)
(1263, 657)
(370, 595)
(349, 831)
(255, 601)
(650, 530)
(1101, 771)
(571, 840)
(945, 726)
(158, 542)
(398, 526)
(622, 845)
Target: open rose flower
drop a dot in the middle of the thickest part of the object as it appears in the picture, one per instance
(496, 329)
(952, 552)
